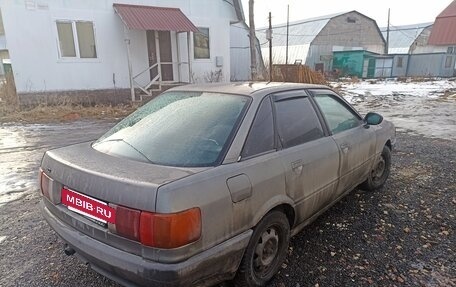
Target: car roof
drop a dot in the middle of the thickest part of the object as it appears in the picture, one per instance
(246, 88)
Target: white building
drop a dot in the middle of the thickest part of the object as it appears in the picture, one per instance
(98, 48)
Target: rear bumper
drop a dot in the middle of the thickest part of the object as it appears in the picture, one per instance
(209, 267)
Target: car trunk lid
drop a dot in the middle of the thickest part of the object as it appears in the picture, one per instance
(108, 178)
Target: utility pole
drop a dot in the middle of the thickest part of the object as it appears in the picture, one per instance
(288, 29)
(286, 50)
(387, 33)
(252, 36)
(270, 48)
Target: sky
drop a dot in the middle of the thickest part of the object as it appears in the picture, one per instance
(403, 12)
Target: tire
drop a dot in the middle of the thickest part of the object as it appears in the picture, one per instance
(266, 251)
(378, 176)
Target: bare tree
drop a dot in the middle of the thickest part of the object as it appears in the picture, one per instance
(253, 64)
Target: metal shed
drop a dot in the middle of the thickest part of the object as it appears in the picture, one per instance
(404, 39)
(312, 41)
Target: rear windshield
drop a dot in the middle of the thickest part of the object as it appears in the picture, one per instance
(177, 129)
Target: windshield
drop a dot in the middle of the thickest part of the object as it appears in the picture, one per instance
(177, 129)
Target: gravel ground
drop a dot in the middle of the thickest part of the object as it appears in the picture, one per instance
(403, 235)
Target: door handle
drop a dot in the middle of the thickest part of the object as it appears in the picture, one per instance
(296, 166)
(345, 148)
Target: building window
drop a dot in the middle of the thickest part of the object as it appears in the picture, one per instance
(201, 44)
(448, 61)
(399, 62)
(450, 50)
(76, 39)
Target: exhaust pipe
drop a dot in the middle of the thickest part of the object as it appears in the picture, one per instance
(68, 250)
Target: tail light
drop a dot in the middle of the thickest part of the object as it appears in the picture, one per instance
(160, 230)
(170, 230)
(127, 222)
(44, 184)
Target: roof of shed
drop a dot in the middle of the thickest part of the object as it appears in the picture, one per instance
(140, 17)
(402, 37)
(445, 24)
(301, 32)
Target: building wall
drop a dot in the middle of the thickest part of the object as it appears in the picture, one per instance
(430, 65)
(340, 31)
(400, 66)
(349, 63)
(32, 40)
(240, 53)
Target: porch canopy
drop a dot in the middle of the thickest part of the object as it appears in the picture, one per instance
(151, 18)
(139, 17)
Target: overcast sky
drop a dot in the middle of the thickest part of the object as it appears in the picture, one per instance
(403, 12)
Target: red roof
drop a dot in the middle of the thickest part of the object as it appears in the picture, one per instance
(154, 18)
(444, 29)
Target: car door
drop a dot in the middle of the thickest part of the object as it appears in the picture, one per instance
(355, 140)
(309, 156)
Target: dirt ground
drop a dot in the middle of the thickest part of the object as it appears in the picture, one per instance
(403, 235)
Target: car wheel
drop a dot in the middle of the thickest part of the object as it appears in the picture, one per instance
(378, 176)
(266, 251)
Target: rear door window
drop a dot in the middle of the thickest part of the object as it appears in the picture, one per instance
(261, 134)
(296, 119)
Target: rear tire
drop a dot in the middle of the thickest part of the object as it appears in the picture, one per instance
(378, 176)
(266, 251)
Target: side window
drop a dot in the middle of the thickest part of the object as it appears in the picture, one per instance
(338, 116)
(76, 39)
(297, 122)
(201, 49)
(261, 134)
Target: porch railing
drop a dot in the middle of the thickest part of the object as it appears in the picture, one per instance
(155, 81)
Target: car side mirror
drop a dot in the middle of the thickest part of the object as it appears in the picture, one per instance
(372, 119)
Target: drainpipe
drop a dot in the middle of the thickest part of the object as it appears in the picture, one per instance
(130, 70)
(189, 46)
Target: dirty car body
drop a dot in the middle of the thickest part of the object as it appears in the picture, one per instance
(207, 178)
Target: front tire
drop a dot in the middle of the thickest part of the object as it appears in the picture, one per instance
(379, 174)
(266, 251)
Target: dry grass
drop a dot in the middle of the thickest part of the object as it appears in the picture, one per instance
(11, 111)
(61, 109)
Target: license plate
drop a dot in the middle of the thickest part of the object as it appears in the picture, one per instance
(88, 206)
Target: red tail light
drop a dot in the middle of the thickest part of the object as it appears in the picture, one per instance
(170, 230)
(127, 222)
(45, 184)
(158, 230)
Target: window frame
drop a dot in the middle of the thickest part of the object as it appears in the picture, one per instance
(209, 42)
(274, 130)
(282, 96)
(341, 100)
(75, 41)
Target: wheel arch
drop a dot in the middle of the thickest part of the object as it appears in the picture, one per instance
(280, 203)
(388, 144)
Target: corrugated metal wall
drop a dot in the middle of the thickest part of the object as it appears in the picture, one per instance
(434, 65)
(400, 65)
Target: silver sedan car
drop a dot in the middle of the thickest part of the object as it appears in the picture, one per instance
(206, 183)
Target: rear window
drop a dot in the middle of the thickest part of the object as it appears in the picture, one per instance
(177, 129)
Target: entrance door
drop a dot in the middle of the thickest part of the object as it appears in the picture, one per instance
(166, 56)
